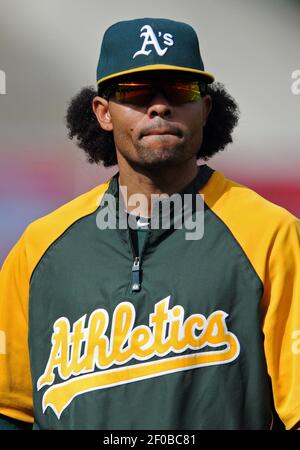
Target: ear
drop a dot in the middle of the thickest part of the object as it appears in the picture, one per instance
(207, 106)
(101, 110)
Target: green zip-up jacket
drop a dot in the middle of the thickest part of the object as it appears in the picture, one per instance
(192, 334)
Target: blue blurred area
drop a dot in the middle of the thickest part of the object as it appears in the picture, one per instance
(17, 213)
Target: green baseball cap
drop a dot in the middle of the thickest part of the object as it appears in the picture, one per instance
(150, 44)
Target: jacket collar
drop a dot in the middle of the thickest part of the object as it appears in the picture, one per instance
(202, 177)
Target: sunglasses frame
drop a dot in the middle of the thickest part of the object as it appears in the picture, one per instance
(109, 90)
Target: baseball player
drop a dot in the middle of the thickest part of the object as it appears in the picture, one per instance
(111, 320)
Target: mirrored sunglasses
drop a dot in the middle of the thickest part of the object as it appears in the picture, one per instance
(141, 92)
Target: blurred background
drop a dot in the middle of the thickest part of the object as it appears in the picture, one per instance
(49, 51)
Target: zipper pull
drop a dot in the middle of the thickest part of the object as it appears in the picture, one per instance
(136, 275)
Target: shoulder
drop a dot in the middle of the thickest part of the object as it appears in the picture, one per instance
(238, 203)
(41, 233)
(65, 215)
(258, 225)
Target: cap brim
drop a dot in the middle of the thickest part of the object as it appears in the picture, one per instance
(206, 76)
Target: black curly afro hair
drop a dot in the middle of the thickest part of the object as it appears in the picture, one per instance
(99, 144)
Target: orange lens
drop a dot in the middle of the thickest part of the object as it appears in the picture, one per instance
(183, 91)
(135, 93)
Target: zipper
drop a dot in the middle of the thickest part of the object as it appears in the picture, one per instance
(136, 275)
(136, 270)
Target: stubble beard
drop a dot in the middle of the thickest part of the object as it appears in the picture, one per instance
(161, 157)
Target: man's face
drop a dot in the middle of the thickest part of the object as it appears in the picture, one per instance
(154, 130)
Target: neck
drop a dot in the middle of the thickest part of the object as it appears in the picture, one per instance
(164, 180)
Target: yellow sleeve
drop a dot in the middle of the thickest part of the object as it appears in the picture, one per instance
(270, 237)
(281, 325)
(15, 377)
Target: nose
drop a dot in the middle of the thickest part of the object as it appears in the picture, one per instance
(159, 106)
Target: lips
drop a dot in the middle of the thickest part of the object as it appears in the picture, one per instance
(161, 132)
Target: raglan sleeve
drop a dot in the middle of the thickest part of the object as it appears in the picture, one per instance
(15, 378)
(281, 325)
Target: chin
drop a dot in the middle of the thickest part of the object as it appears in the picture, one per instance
(161, 157)
(155, 163)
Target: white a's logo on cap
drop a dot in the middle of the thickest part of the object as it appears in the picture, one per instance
(150, 39)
